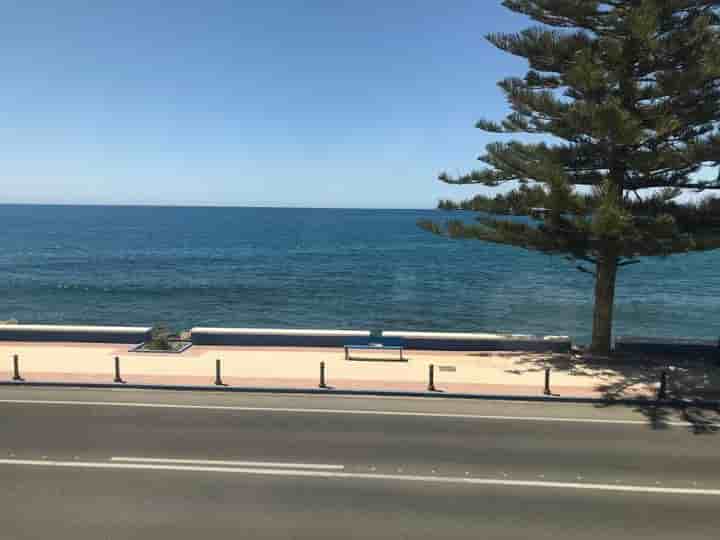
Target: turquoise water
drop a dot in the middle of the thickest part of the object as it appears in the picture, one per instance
(320, 268)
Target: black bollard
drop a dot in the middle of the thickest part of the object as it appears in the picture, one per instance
(662, 391)
(322, 375)
(218, 378)
(431, 378)
(118, 378)
(547, 391)
(16, 368)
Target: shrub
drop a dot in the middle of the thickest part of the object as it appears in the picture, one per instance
(160, 337)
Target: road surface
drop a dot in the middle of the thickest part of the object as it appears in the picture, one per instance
(88, 464)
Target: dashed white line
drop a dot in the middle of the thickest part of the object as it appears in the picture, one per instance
(290, 410)
(223, 463)
(365, 476)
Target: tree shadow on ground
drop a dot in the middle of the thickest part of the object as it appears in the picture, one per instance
(638, 376)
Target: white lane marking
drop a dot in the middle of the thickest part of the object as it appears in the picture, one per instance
(338, 411)
(272, 464)
(364, 476)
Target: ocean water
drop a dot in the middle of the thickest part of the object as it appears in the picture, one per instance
(318, 268)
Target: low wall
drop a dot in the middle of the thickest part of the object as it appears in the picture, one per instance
(83, 334)
(411, 340)
(447, 341)
(277, 337)
(673, 347)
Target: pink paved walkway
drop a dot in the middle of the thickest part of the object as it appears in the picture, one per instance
(339, 384)
(474, 372)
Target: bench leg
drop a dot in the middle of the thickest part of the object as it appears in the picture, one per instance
(347, 355)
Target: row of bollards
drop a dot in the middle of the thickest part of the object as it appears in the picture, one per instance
(661, 394)
(118, 378)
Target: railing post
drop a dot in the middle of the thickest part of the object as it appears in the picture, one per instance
(547, 391)
(662, 391)
(16, 368)
(322, 375)
(218, 378)
(431, 378)
(118, 378)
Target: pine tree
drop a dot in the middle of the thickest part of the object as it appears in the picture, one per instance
(628, 92)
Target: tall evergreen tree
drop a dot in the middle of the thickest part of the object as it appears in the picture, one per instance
(629, 91)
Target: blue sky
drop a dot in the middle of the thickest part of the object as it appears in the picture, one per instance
(326, 103)
(298, 103)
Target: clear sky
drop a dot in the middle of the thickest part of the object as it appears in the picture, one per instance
(244, 102)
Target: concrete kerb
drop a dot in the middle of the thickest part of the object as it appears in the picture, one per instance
(672, 403)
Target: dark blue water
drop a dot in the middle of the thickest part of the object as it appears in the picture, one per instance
(319, 268)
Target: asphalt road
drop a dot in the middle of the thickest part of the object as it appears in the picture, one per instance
(85, 464)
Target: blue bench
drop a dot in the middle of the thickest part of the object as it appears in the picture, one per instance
(376, 344)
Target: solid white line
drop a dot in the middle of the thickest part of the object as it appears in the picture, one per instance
(364, 476)
(337, 411)
(273, 464)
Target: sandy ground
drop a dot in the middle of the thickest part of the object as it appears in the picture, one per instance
(482, 372)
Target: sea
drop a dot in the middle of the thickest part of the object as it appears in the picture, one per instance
(321, 268)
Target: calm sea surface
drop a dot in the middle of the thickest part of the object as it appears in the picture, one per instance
(313, 268)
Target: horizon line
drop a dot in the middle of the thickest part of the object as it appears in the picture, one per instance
(210, 205)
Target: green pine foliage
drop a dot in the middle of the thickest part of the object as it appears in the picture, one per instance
(516, 202)
(628, 94)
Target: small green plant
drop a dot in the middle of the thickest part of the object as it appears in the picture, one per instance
(160, 338)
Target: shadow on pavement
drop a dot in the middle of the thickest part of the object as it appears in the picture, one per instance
(622, 376)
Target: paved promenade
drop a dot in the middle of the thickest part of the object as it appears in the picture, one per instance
(473, 372)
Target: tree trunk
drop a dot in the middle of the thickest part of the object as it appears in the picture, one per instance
(607, 267)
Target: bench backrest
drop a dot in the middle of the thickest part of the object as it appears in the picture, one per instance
(386, 341)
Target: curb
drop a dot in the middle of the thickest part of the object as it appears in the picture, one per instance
(675, 403)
